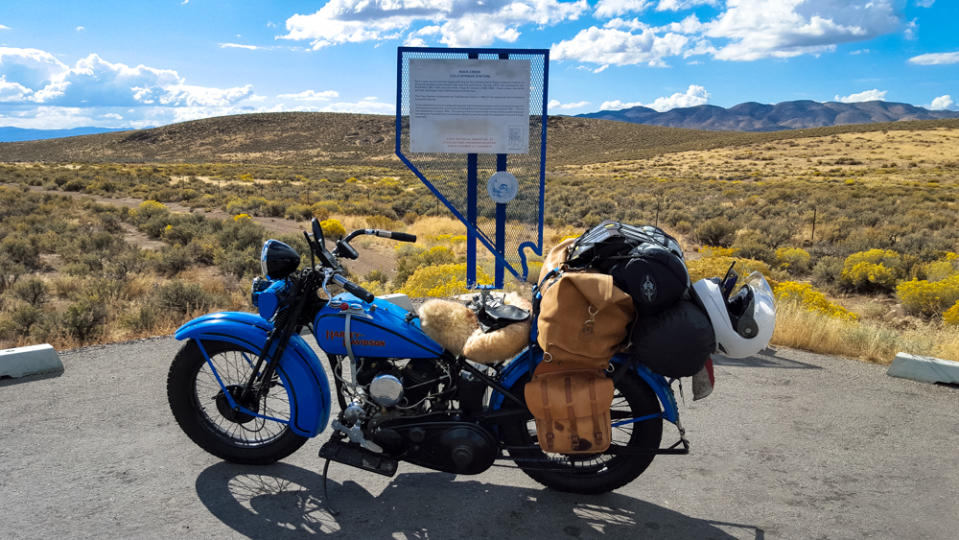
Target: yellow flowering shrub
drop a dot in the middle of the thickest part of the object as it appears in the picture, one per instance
(804, 295)
(149, 209)
(717, 267)
(242, 217)
(929, 297)
(793, 259)
(717, 251)
(875, 269)
(332, 229)
(440, 281)
(951, 315)
(939, 269)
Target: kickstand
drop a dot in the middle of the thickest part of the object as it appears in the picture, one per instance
(326, 495)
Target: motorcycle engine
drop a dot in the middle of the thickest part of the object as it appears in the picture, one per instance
(401, 383)
(403, 409)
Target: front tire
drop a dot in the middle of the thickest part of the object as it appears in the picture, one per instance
(199, 406)
(591, 474)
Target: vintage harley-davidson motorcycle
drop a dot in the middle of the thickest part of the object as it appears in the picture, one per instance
(247, 388)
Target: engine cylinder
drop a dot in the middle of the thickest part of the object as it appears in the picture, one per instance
(386, 390)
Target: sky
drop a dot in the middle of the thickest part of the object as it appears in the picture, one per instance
(139, 63)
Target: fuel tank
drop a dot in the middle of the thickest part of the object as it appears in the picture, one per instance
(380, 329)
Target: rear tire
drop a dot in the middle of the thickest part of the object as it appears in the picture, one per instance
(193, 393)
(591, 474)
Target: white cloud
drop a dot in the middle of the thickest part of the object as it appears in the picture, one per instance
(616, 105)
(610, 45)
(81, 28)
(13, 92)
(555, 104)
(95, 82)
(693, 96)
(613, 8)
(312, 95)
(682, 5)
(925, 3)
(689, 25)
(601, 68)
(32, 68)
(911, 29)
(866, 95)
(941, 103)
(241, 46)
(754, 29)
(37, 90)
(460, 22)
(4, 27)
(933, 59)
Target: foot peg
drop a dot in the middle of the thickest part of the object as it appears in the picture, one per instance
(353, 455)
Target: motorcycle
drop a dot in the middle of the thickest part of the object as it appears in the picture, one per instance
(247, 388)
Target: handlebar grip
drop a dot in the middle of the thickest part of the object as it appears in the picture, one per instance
(399, 236)
(403, 237)
(354, 289)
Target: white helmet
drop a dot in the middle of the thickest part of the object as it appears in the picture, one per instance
(743, 324)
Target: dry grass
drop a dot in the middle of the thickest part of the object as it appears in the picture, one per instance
(866, 340)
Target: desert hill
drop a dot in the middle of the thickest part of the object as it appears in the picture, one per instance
(345, 139)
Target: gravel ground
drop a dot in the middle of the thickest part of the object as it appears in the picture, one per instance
(790, 445)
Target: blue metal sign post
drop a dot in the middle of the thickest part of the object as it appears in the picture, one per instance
(506, 154)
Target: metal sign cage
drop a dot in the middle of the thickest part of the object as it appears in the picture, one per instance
(507, 229)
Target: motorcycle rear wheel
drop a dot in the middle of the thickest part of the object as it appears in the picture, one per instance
(200, 408)
(591, 474)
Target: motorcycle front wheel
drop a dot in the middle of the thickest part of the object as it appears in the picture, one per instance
(202, 410)
(591, 474)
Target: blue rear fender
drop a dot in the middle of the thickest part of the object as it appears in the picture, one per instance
(299, 369)
(519, 367)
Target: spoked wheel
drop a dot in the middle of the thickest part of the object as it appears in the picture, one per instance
(595, 473)
(202, 409)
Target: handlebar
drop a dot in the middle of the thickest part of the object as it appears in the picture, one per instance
(354, 289)
(398, 236)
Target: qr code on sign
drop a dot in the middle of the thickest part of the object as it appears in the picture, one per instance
(514, 137)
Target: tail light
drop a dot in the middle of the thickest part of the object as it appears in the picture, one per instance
(703, 381)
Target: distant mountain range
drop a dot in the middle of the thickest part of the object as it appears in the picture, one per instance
(12, 134)
(752, 116)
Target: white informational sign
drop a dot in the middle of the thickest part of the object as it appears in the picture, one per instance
(469, 106)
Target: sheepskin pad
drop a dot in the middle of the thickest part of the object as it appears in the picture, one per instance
(449, 323)
(454, 326)
(502, 344)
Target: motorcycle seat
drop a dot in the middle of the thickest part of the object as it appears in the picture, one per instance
(493, 314)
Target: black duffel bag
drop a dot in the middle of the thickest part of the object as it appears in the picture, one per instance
(645, 262)
(676, 342)
(654, 277)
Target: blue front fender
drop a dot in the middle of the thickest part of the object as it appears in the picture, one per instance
(299, 369)
(520, 365)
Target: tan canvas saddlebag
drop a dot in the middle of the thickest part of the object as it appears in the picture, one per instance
(583, 319)
(571, 408)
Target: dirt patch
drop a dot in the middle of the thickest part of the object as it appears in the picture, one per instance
(137, 238)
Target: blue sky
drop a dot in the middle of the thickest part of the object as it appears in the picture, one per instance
(137, 63)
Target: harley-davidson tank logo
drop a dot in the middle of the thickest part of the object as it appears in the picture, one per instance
(355, 339)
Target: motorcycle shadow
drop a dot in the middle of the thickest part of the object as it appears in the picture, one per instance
(285, 501)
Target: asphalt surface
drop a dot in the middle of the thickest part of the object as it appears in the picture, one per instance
(790, 445)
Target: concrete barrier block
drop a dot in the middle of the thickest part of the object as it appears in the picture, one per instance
(32, 360)
(924, 369)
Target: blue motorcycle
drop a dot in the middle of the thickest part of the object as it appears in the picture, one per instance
(249, 389)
